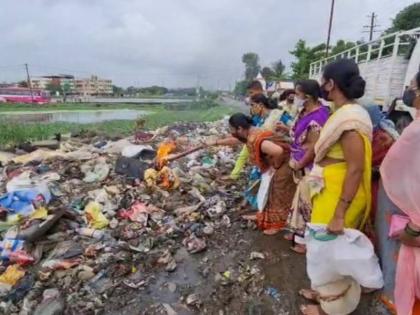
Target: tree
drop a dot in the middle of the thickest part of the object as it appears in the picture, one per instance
(267, 73)
(300, 68)
(116, 90)
(54, 88)
(406, 19)
(278, 68)
(341, 46)
(252, 67)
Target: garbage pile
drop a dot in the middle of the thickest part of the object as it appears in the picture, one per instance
(96, 218)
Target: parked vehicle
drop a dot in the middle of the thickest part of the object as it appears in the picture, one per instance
(24, 95)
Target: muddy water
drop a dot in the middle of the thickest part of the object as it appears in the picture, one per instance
(80, 117)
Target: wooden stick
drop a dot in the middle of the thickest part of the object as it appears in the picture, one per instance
(173, 157)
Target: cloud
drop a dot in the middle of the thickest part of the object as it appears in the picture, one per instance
(171, 42)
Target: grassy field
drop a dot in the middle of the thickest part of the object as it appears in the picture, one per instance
(11, 134)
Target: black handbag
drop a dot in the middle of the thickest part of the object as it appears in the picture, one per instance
(132, 168)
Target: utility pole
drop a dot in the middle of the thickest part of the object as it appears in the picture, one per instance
(329, 27)
(372, 26)
(28, 78)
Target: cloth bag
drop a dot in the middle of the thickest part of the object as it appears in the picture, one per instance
(264, 189)
(333, 257)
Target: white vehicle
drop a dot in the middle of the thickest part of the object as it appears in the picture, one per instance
(388, 64)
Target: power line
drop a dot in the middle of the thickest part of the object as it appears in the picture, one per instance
(372, 27)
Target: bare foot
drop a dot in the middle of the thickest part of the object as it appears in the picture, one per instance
(311, 310)
(271, 231)
(289, 236)
(368, 290)
(310, 295)
(299, 249)
(250, 217)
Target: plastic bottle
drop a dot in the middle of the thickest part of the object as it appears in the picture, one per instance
(96, 234)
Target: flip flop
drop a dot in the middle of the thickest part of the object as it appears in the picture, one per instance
(309, 295)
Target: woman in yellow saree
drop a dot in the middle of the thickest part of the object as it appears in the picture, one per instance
(340, 179)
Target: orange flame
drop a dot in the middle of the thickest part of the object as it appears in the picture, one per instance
(165, 148)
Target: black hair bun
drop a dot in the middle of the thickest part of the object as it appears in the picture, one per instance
(355, 87)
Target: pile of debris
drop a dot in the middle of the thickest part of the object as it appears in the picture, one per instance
(97, 218)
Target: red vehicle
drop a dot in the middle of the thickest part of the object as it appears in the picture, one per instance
(24, 95)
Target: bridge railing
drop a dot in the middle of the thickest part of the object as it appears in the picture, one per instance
(395, 44)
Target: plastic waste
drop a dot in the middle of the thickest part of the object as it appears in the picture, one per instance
(97, 172)
(274, 293)
(96, 234)
(134, 150)
(94, 216)
(137, 213)
(21, 257)
(194, 244)
(8, 246)
(12, 275)
(330, 258)
(52, 303)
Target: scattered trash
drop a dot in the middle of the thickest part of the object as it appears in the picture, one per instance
(257, 255)
(194, 244)
(12, 275)
(274, 293)
(85, 226)
(94, 216)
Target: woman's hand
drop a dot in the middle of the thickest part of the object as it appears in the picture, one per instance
(294, 165)
(336, 225)
(408, 239)
(281, 127)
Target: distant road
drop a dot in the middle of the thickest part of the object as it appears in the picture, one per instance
(239, 105)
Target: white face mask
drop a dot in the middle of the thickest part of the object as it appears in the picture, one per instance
(298, 102)
(247, 100)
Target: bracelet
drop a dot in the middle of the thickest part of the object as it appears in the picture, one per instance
(411, 232)
(348, 202)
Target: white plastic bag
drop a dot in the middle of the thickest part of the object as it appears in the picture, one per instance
(264, 189)
(330, 258)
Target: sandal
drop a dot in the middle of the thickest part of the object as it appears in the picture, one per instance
(310, 295)
(299, 249)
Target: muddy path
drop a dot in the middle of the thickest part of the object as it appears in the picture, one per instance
(226, 281)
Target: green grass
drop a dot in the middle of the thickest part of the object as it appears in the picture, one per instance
(11, 133)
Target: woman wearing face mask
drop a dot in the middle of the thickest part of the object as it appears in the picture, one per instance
(268, 115)
(397, 221)
(340, 180)
(270, 153)
(312, 115)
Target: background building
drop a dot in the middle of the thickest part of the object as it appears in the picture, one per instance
(93, 86)
(68, 84)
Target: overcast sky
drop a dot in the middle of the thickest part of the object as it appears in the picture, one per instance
(169, 42)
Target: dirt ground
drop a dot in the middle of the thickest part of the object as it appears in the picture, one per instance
(230, 250)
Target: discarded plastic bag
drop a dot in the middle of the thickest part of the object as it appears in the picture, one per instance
(133, 150)
(264, 189)
(52, 303)
(137, 213)
(12, 275)
(97, 172)
(331, 257)
(94, 216)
